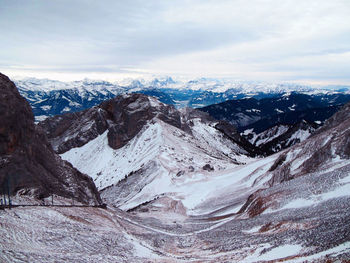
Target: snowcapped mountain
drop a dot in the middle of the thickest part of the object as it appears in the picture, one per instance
(321, 162)
(183, 181)
(50, 97)
(273, 124)
(139, 141)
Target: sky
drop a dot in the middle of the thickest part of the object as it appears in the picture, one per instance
(303, 41)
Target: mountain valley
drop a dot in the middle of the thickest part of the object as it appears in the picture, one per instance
(181, 184)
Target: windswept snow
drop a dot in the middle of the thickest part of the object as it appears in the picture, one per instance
(171, 162)
(107, 166)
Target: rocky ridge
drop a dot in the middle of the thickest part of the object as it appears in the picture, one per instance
(124, 116)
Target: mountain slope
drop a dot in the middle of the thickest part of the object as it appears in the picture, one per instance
(268, 112)
(268, 208)
(27, 162)
(137, 140)
(281, 136)
(325, 154)
(327, 146)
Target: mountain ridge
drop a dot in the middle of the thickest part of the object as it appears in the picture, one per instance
(48, 97)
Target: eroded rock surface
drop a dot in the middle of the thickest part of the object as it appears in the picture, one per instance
(27, 161)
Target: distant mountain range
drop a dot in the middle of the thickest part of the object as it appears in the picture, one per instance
(274, 124)
(50, 97)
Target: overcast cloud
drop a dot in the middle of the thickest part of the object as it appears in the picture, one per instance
(272, 40)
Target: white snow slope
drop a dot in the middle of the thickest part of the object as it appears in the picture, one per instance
(173, 160)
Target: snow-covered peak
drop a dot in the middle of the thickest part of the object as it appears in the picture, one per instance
(206, 84)
(168, 158)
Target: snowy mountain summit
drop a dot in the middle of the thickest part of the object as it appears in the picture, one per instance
(151, 147)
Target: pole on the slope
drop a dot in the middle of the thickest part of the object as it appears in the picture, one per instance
(3, 193)
(8, 192)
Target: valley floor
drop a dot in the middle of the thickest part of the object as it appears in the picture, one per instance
(309, 225)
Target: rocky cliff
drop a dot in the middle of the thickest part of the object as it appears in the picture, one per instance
(27, 162)
(123, 117)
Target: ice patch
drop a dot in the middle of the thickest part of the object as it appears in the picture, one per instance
(281, 252)
(252, 230)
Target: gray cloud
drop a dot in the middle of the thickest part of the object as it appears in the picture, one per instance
(199, 37)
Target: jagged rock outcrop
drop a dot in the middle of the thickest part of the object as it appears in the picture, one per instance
(74, 129)
(27, 161)
(124, 116)
(129, 113)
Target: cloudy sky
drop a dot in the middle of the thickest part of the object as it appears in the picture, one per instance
(268, 40)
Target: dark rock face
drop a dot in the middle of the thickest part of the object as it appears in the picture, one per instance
(208, 167)
(27, 161)
(130, 113)
(231, 132)
(76, 128)
(123, 117)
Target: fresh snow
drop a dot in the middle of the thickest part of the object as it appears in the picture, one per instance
(302, 135)
(279, 111)
(252, 230)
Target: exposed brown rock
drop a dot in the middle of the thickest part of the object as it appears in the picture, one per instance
(74, 129)
(27, 160)
(123, 117)
(130, 113)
